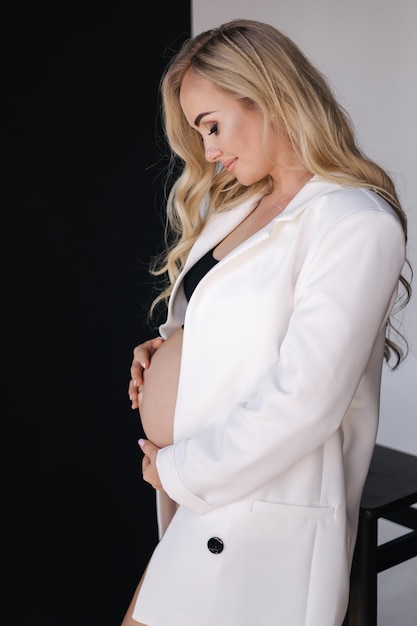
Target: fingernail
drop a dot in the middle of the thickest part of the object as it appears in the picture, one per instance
(141, 442)
(143, 365)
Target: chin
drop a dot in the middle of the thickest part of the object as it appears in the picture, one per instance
(245, 180)
(249, 179)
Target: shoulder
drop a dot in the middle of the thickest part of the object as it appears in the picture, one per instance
(345, 200)
(334, 201)
(330, 204)
(348, 199)
(327, 212)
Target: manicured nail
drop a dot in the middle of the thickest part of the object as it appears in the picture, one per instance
(141, 442)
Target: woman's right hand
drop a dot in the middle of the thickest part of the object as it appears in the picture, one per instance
(142, 356)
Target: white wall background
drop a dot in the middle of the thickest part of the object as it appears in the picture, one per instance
(368, 51)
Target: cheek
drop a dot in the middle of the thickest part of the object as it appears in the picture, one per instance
(251, 140)
(253, 165)
(253, 153)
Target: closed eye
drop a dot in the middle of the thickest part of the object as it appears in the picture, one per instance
(213, 130)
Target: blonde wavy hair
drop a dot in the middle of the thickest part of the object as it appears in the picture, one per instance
(261, 67)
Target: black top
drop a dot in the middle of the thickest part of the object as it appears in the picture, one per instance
(197, 271)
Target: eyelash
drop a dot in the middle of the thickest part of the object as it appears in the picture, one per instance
(213, 129)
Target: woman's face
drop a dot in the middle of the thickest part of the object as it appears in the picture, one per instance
(232, 134)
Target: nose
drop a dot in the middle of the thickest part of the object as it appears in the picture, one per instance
(212, 153)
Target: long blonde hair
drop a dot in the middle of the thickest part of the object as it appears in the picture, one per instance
(257, 64)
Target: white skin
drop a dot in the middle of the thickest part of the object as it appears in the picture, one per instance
(232, 135)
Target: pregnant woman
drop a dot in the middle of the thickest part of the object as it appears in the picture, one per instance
(260, 397)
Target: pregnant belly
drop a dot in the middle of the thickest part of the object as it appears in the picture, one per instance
(160, 391)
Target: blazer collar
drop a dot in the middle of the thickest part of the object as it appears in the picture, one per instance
(221, 224)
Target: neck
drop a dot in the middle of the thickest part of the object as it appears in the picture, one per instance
(286, 188)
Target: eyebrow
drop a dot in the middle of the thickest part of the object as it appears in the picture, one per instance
(200, 117)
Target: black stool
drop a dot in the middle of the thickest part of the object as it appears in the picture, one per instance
(389, 493)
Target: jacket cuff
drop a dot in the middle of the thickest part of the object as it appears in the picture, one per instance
(172, 483)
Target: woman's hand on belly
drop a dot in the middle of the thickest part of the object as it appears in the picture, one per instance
(142, 355)
(158, 394)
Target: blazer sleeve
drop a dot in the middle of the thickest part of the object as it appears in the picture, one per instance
(343, 296)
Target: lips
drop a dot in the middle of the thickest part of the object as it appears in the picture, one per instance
(229, 165)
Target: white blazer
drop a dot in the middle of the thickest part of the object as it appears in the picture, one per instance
(276, 415)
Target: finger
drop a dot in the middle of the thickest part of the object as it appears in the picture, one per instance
(148, 448)
(136, 372)
(143, 446)
(140, 362)
(133, 388)
(140, 395)
(144, 351)
(133, 392)
(156, 343)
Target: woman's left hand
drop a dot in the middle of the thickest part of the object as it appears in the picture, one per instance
(142, 355)
(149, 471)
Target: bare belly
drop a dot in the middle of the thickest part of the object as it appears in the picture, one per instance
(160, 391)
